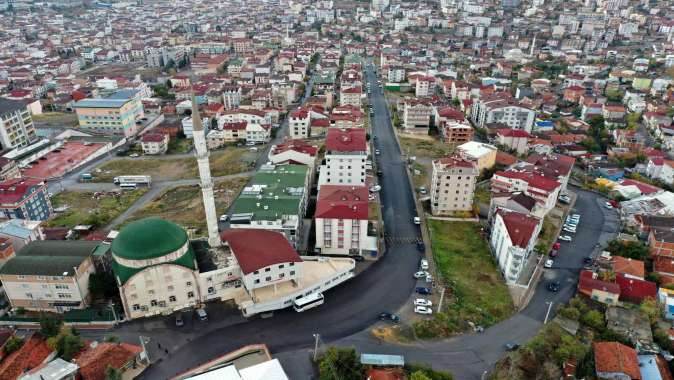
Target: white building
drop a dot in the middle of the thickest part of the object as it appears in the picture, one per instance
(188, 126)
(395, 74)
(350, 96)
(513, 237)
(417, 116)
(483, 154)
(257, 133)
(345, 157)
(294, 152)
(425, 86)
(16, 124)
(154, 143)
(299, 124)
(453, 185)
(503, 111)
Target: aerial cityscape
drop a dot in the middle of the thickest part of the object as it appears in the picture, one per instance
(336, 190)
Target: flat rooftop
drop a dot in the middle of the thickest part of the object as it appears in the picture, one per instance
(313, 272)
(58, 162)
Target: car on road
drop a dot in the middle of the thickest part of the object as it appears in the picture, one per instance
(134, 155)
(556, 246)
(224, 218)
(377, 152)
(549, 263)
(422, 302)
(423, 310)
(416, 220)
(201, 313)
(511, 346)
(553, 253)
(179, 320)
(553, 286)
(565, 238)
(386, 316)
(423, 264)
(421, 247)
(608, 205)
(420, 274)
(375, 188)
(424, 290)
(569, 230)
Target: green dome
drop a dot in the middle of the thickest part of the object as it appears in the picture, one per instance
(148, 239)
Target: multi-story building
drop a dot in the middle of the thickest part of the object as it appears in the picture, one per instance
(425, 86)
(514, 139)
(24, 198)
(483, 154)
(513, 237)
(299, 124)
(16, 124)
(342, 220)
(503, 111)
(453, 185)
(231, 96)
(8, 169)
(154, 143)
(294, 152)
(275, 200)
(50, 275)
(543, 189)
(345, 158)
(188, 127)
(117, 114)
(350, 96)
(395, 74)
(258, 133)
(417, 115)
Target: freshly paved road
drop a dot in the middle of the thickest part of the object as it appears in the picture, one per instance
(353, 307)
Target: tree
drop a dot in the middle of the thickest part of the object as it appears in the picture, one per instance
(339, 364)
(629, 249)
(50, 325)
(66, 344)
(12, 344)
(419, 375)
(111, 339)
(593, 319)
(650, 307)
(112, 373)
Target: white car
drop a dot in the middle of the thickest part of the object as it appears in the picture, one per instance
(570, 230)
(422, 302)
(134, 155)
(420, 274)
(608, 205)
(424, 264)
(375, 188)
(548, 263)
(565, 238)
(224, 218)
(423, 310)
(416, 220)
(377, 152)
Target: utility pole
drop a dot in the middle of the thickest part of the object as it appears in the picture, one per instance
(316, 338)
(548, 313)
(442, 297)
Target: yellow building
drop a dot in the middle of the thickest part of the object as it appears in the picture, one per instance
(118, 114)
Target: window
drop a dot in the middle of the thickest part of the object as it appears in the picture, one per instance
(257, 281)
(153, 303)
(292, 272)
(267, 269)
(188, 283)
(280, 266)
(190, 294)
(268, 278)
(281, 275)
(211, 290)
(135, 307)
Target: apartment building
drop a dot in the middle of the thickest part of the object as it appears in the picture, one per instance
(453, 185)
(453, 126)
(154, 143)
(116, 114)
(504, 111)
(350, 96)
(513, 237)
(50, 275)
(341, 221)
(543, 189)
(345, 157)
(294, 152)
(299, 124)
(425, 86)
(24, 198)
(514, 139)
(16, 124)
(483, 154)
(417, 116)
(231, 97)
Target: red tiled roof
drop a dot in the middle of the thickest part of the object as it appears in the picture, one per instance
(237, 126)
(614, 357)
(451, 113)
(506, 132)
(644, 188)
(456, 161)
(342, 202)
(506, 159)
(153, 137)
(30, 355)
(521, 227)
(663, 264)
(13, 190)
(345, 140)
(533, 179)
(628, 266)
(94, 361)
(255, 249)
(587, 283)
(296, 145)
(385, 374)
(320, 123)
(635, 290)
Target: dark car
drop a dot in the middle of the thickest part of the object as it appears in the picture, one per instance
(179, 320)
(553, 253)
(587, 260)
(421, 247)
(379, 173)
(511, 346)
(386, 316)
(424, 290)
(553, 286)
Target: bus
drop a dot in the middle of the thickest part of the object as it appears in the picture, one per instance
(128, 186)
(308, 302)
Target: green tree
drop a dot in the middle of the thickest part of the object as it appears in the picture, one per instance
(339, 364)
(419, 375)
(629, 249)
(111, 339)
(50, 325)
(112, 373)
(66, 344)
(568, 348)
(12, 344)
(593, 319)
(650, 307)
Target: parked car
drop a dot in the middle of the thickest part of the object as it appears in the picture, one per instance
(422, 302)
(424, 264)
(511, 346)
(565, 238)
(421, 247)
(134, 155)
(379, 173)
(553, 253)
(553, 286)
(570, 230)
(423, 310)
(377, 152)
(565, 199)
(420, 274)
(201, 313)
(224, 218)
(422, 190)
(386, 316)
(608, 205)
(556, 246)
(424, 290)
(549, 263)
(416, 220)
(375, 188)
(179, 320)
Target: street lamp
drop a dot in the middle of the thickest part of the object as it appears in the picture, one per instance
(316, 338)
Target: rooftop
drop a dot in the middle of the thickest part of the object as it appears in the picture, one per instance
(148, 238)
(346, 140)
(342, 202)
(49, 258)
(8, 105)
(255, 249)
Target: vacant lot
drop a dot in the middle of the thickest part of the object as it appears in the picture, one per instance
(183, 205)
(225, 162)
(56, 118)
(82, 207)
(179, 145)
(423, 146)
(475, 291)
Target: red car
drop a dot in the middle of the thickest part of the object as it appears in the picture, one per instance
(556, 246)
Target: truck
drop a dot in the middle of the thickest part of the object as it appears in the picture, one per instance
(133, 179)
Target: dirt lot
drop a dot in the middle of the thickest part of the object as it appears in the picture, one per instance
(225, 162)
(55, 119)
(183, 205)
(82, 207)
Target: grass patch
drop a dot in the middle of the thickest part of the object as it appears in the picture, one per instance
(179, 145)
(183, 205)
(424, 146)
(420, 179)
(394, 333)
(373, 210)
(482, 194)
(56, 117)
(548, 233)
(225, 162)
(475, 292)
(84, 208)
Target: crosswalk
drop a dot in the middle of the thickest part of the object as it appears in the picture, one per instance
(401, 240)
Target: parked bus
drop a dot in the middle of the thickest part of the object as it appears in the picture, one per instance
(308, 302)
(133, 179)
(128, 186)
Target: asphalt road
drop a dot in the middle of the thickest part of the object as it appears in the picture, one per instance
(385, 286)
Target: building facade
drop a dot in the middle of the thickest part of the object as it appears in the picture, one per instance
(16, 124)
(513, 237)
(117, 114)
(453, 185)
(345, 157)
(24, 199)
